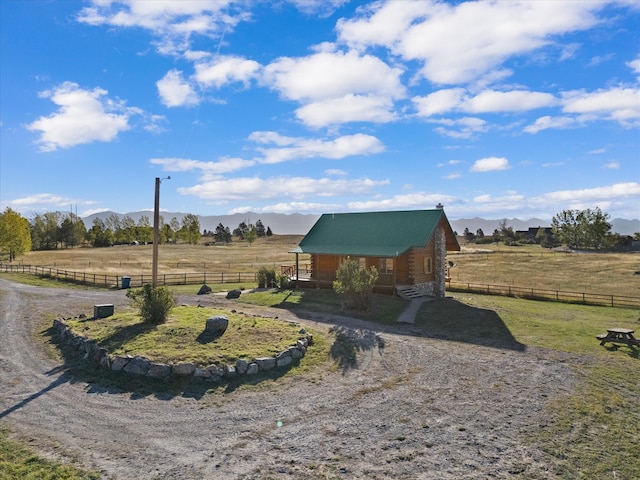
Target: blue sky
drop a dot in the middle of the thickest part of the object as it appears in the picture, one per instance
(495, 109)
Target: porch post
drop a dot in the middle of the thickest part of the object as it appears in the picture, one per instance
(297, 271)
(393, 276)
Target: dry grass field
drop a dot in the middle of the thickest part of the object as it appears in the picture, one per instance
(527, 267)
(237, 256)
(535, 267)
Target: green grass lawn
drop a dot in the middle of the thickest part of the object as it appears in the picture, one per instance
(593, 433)
(18, 462)
(384, 309)
(181, 338)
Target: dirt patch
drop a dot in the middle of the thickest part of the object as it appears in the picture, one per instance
(402, 406)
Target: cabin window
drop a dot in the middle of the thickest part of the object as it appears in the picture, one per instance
(428, 265)
(386, 265)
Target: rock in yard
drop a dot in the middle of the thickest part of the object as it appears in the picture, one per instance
(216, 325)
(234, 293)
(204, 289)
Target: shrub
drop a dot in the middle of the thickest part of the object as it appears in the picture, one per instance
(284, 282)
(266, 277)
(355, 284)
(154, 303)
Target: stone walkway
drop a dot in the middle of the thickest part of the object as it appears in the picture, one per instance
(409, 313)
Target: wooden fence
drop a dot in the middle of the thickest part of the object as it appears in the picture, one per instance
(116, 281)
(582, 298)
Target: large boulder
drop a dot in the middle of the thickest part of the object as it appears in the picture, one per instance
(234, 293)
(204, 289)
(216, 325)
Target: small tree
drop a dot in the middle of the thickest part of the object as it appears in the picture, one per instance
(15, 236)
(355, 283)
(251, 234)
(154, 303)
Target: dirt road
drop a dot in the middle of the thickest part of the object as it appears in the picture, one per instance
(414, 408)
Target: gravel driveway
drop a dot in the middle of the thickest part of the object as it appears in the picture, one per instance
(412, 408)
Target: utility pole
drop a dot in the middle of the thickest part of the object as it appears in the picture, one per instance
(156, 234)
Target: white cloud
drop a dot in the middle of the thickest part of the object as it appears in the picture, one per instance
(350, 108)
(337, 87)
(617, 104)
(224, 165)
(635, 66)
(512, 101)
(409, 200)
(322, 8)
(291, 207)
(293, 148)
(438, 102)
(226, 69)
(228, 189)
(83, 116)
(547, 121)
(490, 164)
(327, 75)
(452, 176)
(591, 195)
(460, 43)
(174, 91)
(464, 127)
(172, 22)
(42, 199)
(510, 202)
(487, 101)
(286, 149)
(43, 202)
(612, 166)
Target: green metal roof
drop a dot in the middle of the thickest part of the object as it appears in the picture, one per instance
(371, 234)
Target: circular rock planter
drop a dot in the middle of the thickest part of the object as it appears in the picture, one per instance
(138, 365)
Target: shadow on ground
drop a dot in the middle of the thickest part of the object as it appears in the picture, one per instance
(449, 319)
(350, 341)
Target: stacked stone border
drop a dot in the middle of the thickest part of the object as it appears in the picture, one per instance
(138, 365)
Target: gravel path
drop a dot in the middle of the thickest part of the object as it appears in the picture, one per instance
(412, 408)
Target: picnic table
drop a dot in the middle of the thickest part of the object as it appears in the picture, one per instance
(619, 336)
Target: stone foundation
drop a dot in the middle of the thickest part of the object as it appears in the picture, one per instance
(213, 373)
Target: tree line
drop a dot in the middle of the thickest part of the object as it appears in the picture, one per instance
(53, 230)
(577, 229)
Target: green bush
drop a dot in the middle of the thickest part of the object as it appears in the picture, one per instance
(284, 282)
(355, 284)
(267, 277)
(154, 303)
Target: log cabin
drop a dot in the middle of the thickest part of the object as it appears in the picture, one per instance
(408, 248)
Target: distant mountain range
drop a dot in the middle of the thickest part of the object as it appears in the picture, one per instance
(300, 224)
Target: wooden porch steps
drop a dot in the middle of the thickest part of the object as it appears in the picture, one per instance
(409, 291)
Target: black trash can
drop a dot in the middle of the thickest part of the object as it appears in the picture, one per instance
(126, 282)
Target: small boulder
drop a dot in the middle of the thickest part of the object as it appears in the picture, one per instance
(234, 293)
(158, 370)
(185, 369)
(216, 325)
(137, 366)
(204, 290)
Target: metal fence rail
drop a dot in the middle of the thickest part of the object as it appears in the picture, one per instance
(116, 281)
(582, 298)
